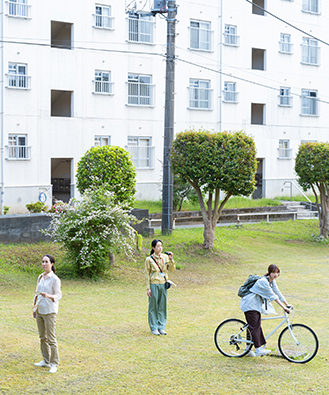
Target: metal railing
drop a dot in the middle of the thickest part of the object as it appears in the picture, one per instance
(286, 47)
(230, 96)
(104, 22)
(140, 94)
(291, 184)
(284, 153)
(18, 81)
(200, 98)
(104, 87)
(231, 39)
(18, 152)
(19, 10)
(141, 30)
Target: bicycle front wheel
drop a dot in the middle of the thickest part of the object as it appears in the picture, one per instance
(300, 345)
(233, 338)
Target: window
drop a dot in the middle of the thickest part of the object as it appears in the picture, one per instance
(310, 51)
(200, 35)
(18, 8)
(141, 29)
(103, 82)
(103, 19)
(257, 114)
(285, 43)
(258, 7)
(141, 151)
(309, 102)
(258, 59)
(230, 35)
(102, 140)
(140, 90)
(284, 150)
(285, 97)
(311, 6)
(230, 94)
(61, 35)
(17, 76)
(200, 94)
(17, 147)
(61, 103)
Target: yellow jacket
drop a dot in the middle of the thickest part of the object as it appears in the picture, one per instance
(152, 272)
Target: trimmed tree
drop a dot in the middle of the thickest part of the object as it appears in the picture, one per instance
(214, 162)
(312, 168)
(110, 166)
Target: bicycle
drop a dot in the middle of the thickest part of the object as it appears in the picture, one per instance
(297, 342)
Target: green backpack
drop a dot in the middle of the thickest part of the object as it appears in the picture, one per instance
(245, 288)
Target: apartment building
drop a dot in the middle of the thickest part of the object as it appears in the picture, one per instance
(81, 74)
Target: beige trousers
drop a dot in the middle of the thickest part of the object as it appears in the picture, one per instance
(48, 343)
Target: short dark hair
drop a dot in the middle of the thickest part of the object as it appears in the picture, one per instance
(272, 269)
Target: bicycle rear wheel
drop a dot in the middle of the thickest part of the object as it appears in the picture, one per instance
(301, 347)
(233, 338)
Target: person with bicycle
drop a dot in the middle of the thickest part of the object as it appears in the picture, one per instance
(257, 302)
(157, 266)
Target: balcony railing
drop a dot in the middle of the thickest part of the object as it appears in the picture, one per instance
(231, 39)
(230, 97)
(285, 101)
(200, 98)
(143, 157)
(141, 30)
(104, 22)
(18, 10)
(285, 47)
(141, 94)
(18, 81)
(104, 87)
(284, 153)
(18, 152)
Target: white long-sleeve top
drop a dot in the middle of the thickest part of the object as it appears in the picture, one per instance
(50, 284)
(262, 290)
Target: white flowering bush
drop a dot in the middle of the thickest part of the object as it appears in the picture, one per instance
(91, 229)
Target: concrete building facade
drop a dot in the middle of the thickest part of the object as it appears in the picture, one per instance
(79, 74)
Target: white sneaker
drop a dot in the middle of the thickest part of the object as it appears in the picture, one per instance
(42, 364)
(260, 352)
(155, 332)
(250, 354)
(162, 332)
(53, 369)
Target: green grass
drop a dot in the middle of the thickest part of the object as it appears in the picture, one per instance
(233, 202)
(104, 341)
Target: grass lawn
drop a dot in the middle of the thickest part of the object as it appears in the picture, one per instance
(104, 341)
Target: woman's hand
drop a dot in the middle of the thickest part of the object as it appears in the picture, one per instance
(149, 293)
(44, 294)
(288, 311)
(34, 314)
(171, 255)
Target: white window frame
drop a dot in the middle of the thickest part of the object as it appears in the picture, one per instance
(103, 17)
(17, 76)
(17, 150)
(284, 150)
(200, 36)
(309, 99)
(286, 46)
(310, 52)
(230, 94)
(99, 140)
(142, 155)
(141, 29)
(200, 95)
(102, 83)
(230, 36)
(311, 6)
(285, 98)
(19, 9)
(140, 92)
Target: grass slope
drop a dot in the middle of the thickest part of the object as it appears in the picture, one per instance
(104, 341)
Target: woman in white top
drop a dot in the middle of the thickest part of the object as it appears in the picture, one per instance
(45, 309)
(258, 301)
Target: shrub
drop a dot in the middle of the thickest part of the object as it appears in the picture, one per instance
(36, 207)
(91, 230)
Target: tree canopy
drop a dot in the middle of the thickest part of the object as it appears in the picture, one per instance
(110, 166)
(214, 162)
(312, 168)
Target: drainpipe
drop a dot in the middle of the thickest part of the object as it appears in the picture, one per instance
(220, 64)
(2, 110)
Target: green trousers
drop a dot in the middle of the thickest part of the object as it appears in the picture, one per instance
(157, 313)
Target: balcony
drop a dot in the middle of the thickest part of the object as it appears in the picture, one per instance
(284, 153)
(103, 22)
(230, 97)
(141, 94)
(18, 152)
(200, 98)
(231, 40)
(103, 88)
(18, 81)
(18, 10)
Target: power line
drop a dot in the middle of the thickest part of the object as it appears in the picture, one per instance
(287, 23)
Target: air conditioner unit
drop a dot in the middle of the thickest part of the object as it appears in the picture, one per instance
(159, 6)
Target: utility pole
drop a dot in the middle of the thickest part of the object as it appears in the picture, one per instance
(168, 179)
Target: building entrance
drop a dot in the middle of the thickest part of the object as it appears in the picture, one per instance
(258, 193)
(61, 178)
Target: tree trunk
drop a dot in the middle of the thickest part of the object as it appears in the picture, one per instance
(208, 235)
(111, 258)
(323, 216)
